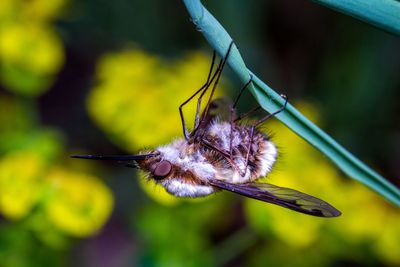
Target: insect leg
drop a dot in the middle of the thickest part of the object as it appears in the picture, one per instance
(273, 113)
(253, 127)
(224, 154)
(233, 112)
(247, 114)
(204, 87)
(197, 117)
(218, 76)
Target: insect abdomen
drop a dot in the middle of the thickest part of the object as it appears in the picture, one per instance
(261, 156)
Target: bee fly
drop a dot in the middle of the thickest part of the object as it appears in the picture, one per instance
(220, 154)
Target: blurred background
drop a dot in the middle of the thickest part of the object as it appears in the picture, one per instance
(107, 77)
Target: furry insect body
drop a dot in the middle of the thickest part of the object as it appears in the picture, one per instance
(194, 165)
(221, 154)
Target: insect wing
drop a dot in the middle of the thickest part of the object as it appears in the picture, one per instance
(220, 108)
(285, 197)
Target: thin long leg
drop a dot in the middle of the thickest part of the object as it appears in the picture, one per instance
(253, 127)
(205, 112)
(233, 111)
(185, 129)
(256, 109)
(241, 92)
(224, 154)
(197, 117)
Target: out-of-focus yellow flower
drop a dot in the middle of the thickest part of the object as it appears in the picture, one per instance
(31, 55)
(20, 186)
(366, 217)
(33, 10)
(79, 204)
(30, 50)
(137, 97)
(6, 8)
(387, 245)
(32, 47)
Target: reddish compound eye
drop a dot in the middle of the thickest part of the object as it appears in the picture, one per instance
(162, 169)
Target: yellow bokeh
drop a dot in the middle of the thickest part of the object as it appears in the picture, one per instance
(20, 183)
(67, 202)
(33, 10)
(137, 96)
(79, 204)
(43, 10)
(31, 51)
(33, 47)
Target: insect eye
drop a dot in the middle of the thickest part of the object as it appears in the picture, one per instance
(162, 169)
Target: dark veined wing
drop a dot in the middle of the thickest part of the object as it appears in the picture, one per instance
(220, 107)
(285, 197)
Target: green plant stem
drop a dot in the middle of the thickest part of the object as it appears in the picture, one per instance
(384, 14)
(220, 40)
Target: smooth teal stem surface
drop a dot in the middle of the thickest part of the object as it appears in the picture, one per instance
(384, 14)
(291, 117)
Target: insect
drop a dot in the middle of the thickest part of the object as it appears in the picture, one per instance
(220, 155)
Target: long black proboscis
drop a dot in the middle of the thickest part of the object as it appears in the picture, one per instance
(114, 157)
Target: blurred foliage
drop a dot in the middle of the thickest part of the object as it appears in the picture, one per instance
(79, 203)
(19, 187)
(31, 183)
(30, 50)
(44, 205)
(53, 209)
(168, 241)
(42, 197)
